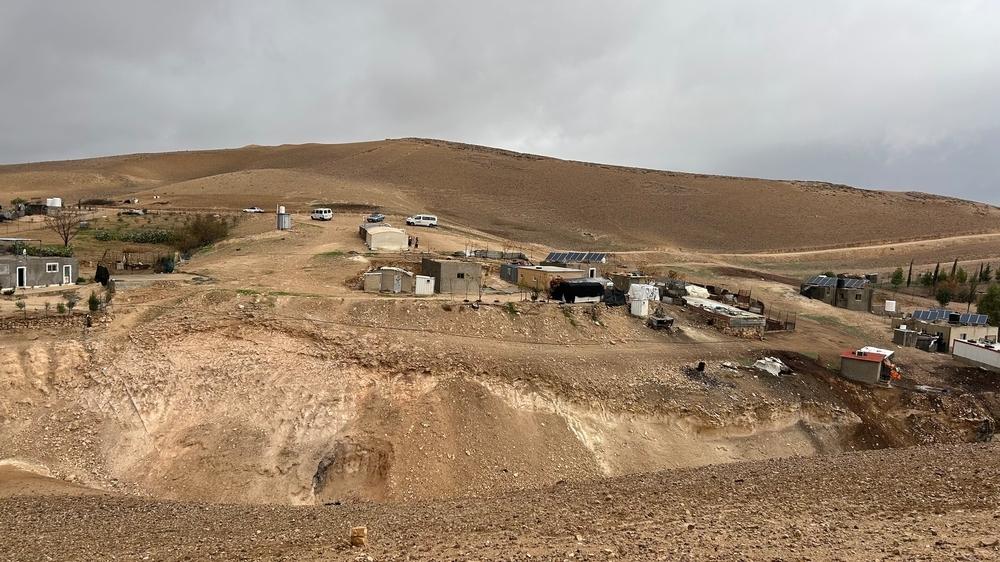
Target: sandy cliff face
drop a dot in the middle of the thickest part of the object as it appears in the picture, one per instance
(240, 404)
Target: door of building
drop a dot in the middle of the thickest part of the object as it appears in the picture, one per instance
(67, 274)
(397, 283)
(22, 277)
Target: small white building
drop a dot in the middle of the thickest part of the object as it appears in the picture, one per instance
(386, 238)
(980, 354)
(639, 297)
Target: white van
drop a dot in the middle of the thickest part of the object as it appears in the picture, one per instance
(322, 215)
(422, 220)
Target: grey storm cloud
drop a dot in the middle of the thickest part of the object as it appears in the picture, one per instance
(885, 94)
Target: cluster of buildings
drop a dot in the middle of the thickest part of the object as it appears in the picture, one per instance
(583, 277)
(447, 276)
(938, 329)
(33, 207)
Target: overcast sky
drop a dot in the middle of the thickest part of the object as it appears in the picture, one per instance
(899, 95)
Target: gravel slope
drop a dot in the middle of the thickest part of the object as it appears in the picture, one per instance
(939, 503)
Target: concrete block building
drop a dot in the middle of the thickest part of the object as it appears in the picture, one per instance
(948, 326)
(852, 293)
(21, 271)
(453, 277)
(539, 277)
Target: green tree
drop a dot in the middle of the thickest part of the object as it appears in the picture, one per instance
(71, 300)
(943, 296)
(897, 278)
(909, 274)
(94, 302)
(989, 304)
(954, 268)
(961, 275)
(937, 276)
(19, 303)
(926, 279)
(970, 294)
(985, 273)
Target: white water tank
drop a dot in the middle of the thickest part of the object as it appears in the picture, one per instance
(53, 202)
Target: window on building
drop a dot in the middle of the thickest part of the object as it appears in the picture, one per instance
(52, 268)
(460, 276)
(857, 297)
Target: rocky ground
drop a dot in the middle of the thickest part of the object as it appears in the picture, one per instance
(927, 503)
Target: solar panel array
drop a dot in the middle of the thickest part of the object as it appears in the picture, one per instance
(825, 281)
(577, 257)
(936, 314)
(822, 281)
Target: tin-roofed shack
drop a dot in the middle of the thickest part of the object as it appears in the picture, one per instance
(727, 318)
(868, 365)
(397, 280)
(580, 290)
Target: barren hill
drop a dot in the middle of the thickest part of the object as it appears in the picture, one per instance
(518, 196)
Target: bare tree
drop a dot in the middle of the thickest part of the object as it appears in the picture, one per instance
(65, 223)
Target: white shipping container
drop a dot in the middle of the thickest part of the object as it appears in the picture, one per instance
(983, 355)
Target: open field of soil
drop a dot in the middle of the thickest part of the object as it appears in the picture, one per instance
(938, 503)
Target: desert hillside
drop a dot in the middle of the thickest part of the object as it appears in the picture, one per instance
(516, 196)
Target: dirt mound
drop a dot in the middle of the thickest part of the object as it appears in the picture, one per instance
(525, 198)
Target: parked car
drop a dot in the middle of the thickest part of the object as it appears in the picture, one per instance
(322, 214)
(253, 210)
(422, 220)
(375, 217)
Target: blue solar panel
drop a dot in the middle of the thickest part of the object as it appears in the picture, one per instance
(576, 257)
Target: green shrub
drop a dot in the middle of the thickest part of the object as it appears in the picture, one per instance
(94, 302)
(136, 236)
(43, 251)
(201, 231)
